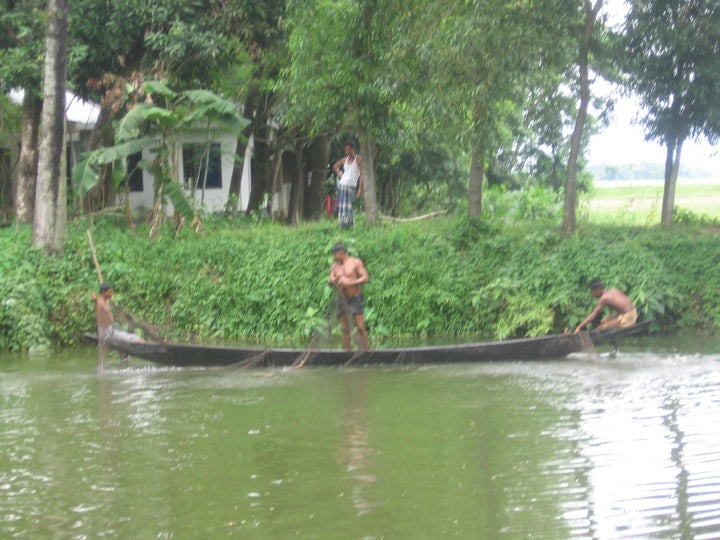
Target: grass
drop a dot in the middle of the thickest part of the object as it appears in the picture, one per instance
(639, 203)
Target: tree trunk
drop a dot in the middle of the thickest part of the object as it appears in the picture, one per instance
(569, 218)
(27, 168)
(293, 166)
(259, 183)
(672, 167)
(367, 152)
(318, 155)
(6, 184)
(240, 149)
(276, 179)
(475, 186)
(50, 197)
(236, 177)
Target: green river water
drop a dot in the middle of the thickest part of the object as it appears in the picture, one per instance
(594, 446)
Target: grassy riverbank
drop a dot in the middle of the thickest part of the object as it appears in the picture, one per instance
(266, 283)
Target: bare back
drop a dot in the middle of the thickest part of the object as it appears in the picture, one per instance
(617, 300)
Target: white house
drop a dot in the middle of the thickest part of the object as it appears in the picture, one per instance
(192, 152)
(195, 155)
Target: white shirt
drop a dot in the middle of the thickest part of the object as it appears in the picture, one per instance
(351, 173)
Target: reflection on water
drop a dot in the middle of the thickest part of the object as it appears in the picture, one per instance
(645, 446)
(355, 452)
(589, 447)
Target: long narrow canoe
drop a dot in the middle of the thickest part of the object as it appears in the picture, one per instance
(539, 348)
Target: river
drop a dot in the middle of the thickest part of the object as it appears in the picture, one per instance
(594, 446)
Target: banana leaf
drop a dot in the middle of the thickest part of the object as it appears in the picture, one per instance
(210, 106)
(85, 174)
(130, 127)
(158, 88)
(108, 154)
(174, 192)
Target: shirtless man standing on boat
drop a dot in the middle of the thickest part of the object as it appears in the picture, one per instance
(347, 274)
(615, 299)
(106, 324)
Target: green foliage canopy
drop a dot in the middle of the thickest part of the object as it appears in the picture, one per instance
(22, 45)
(672, 51)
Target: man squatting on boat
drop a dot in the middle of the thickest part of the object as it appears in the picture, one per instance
(615, 299)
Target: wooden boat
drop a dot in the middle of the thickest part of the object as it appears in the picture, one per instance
(539, 348)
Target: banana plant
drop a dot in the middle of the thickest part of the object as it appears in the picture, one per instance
(155, 125)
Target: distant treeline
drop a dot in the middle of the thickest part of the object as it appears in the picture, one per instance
(643, 171)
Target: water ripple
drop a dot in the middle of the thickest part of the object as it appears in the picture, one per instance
(593, 447)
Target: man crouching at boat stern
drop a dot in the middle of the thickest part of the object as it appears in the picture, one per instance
(615, 299)
(347, 274)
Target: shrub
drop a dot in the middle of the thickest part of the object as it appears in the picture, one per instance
(266, 283)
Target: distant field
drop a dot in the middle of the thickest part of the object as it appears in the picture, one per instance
(641, 202)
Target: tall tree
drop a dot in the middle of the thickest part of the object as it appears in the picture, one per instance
(338, 80)
(10, 120)
(472, 93)
(22, 30)
(672, 52)
(259, 31)
(28, 164)
(50, 198)
(590, 11)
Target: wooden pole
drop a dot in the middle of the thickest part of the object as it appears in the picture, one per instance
(95, 259)
(101, 342)
(127, 314)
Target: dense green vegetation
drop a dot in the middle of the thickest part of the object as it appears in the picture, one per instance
(443, 124)
(436, 112)
(512, 274)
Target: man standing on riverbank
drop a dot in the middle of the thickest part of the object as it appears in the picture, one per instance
(347, 274)
(614, 299)
(106, 324)
(351, 179)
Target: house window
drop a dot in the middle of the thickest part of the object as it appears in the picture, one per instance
(196, 160)
(134, 172)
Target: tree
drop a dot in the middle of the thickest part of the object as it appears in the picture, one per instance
(10, 120)
(50, 198)
(22, 29)
(591, 11)
(473, 94)
(338, 80)
(28, 163)
(672, 51)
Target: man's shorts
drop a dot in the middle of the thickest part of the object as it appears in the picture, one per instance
(621, 320)
(350, 306)
(628, 319)
(118, 336)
